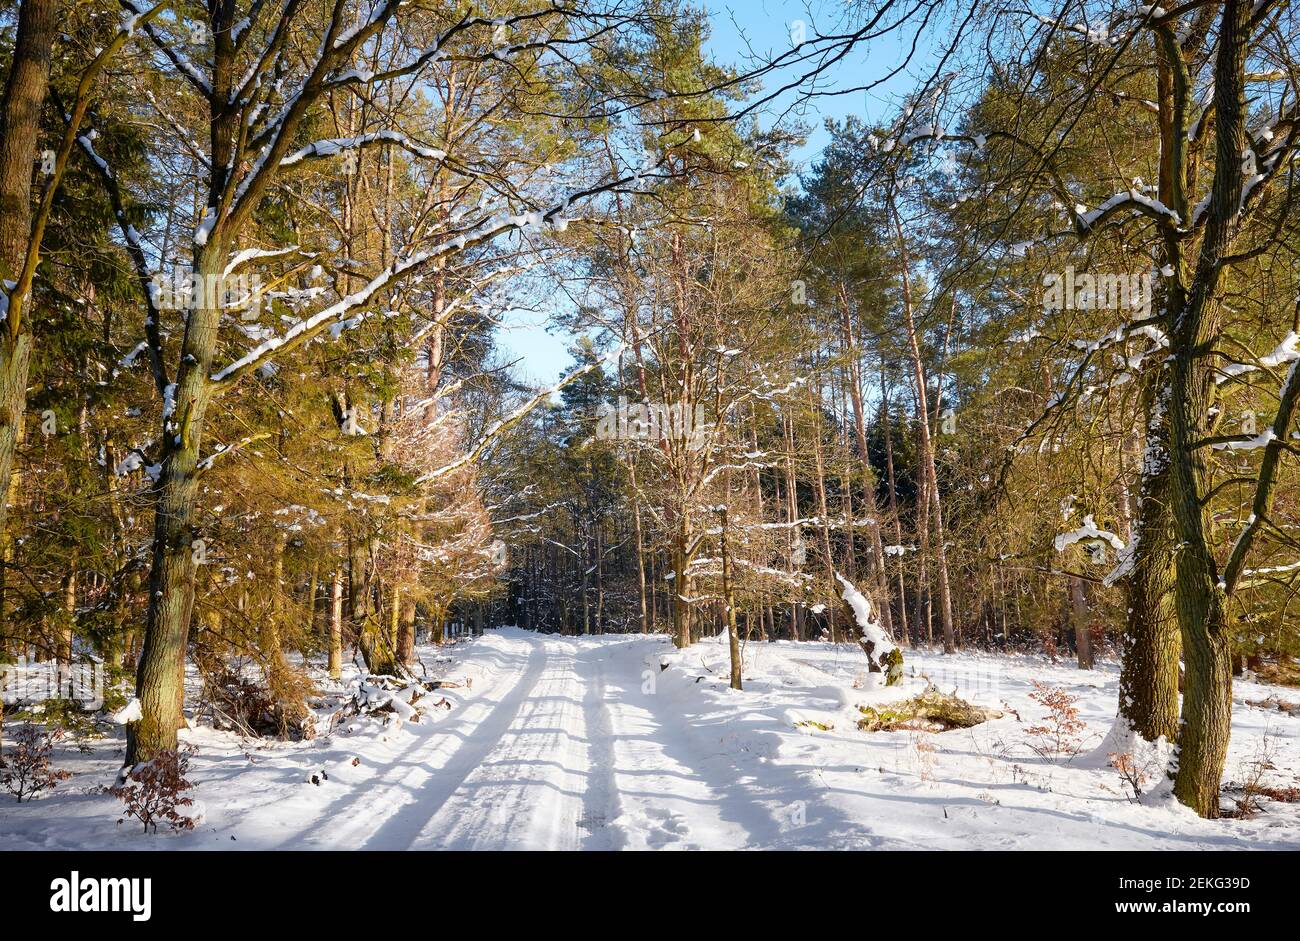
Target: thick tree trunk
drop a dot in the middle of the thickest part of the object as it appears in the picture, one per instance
(377, 640)
(20, 115)
(1200, 594)
(406, 632)
(161, 673)
(1148, 677)
(15, 368)
(160, 678)
(1200, 598)
(1148, 683)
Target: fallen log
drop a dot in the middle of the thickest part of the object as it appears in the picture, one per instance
(929, 711)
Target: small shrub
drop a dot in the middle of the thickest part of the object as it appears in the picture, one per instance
(1050, 647)
(1252, 792)
(1059, 736)
(925, 757)
(1129, 771)
(28, 770)
(153, 790)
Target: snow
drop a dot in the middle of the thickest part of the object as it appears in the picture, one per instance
(1087, 532)
(1286, 352)
(337, 145)
(1124, 565)
(131, 712)
(132, 462)
(1088, 219)
(866, 618)
(1260, 440)
(625, 742)
(342, 309)
(251, 254)
(205, 226)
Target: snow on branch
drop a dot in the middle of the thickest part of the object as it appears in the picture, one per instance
(241, 258)
(1130, 198)
(1266, 485)
(343, 309)
(222, 450)
(1088, 532)
(1255, 576)
(1288, 351)
(183, 65)
(1092, 35)
(436, 49)
(1084, 220)
(881, 649)
(1148, 327)
(336, 145)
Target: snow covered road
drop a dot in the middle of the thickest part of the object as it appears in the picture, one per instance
(547, 742)
(563, 750)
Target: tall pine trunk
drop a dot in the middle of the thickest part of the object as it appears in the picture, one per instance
(929, 477)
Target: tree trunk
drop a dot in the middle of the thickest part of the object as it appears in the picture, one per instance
(160, 679)
(680, 589)
(1200, 595)
(733, 635)
(20, 114)
(161, 674)
(406, 632)
(1079, 614)
(1148, 676)
(854, 379)
(886, 422)
(929, 482)
(336, 625)
(70, 617)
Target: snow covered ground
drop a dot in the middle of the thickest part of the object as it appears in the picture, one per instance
(591, 743)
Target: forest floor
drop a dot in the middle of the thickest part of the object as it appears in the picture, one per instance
(623, 742)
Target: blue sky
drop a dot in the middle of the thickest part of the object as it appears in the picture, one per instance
(740, 28)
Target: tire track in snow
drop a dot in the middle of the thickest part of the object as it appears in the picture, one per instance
(527, 788)
(431, 780)
(351, 820)
(573, 753)
(601, 805)
(667, 801)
